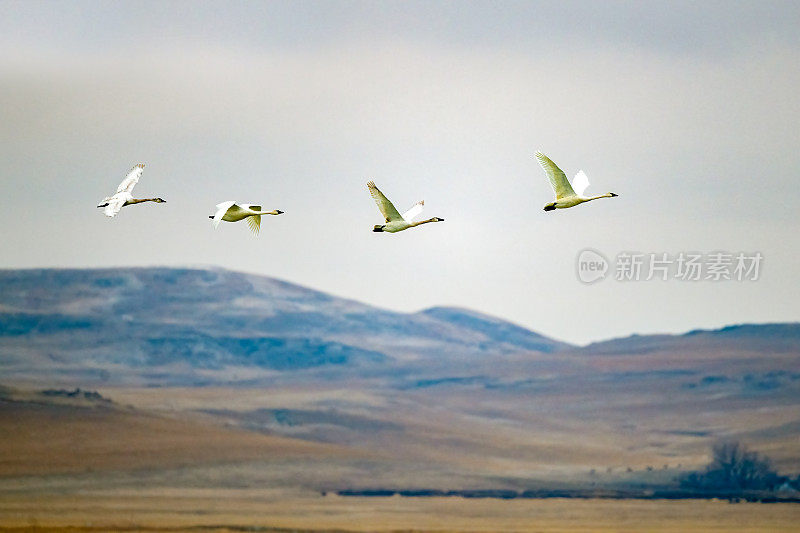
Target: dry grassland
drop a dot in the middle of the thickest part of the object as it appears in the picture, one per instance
(253, 510)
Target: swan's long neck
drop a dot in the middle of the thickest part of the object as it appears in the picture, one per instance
(140, 200)
(273, 212)
(413, 224)
(606, 195)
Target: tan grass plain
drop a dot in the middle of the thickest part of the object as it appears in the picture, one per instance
(229, 509)
(74, 467)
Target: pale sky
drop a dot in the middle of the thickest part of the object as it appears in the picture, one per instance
(689, 111)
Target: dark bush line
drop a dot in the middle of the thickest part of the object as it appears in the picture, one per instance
(762, 497)
(734, 474)
(77, 393)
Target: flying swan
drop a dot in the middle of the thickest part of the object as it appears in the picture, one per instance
(566, 195)
(123, 197)
(230, 211)
(395, 221)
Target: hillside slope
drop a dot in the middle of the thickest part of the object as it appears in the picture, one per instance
(47, 433)
(194, 326)
(472, 394)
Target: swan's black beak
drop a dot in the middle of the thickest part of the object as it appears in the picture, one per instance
(614, 194)
(102, 205)
(210, 216)
(549, 208)
(439, 219)
(378, 229)
(279, 211)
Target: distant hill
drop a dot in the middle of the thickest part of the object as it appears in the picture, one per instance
(766, 337)
(472, 394)
(497, 332)
(171, 325)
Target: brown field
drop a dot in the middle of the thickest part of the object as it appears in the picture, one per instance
(494, 433)
(260, 510)
(208, 459)
(199, 423)
(52, 438)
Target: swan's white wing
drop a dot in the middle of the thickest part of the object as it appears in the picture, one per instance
(557, 177)
(225, 205)
(131, 179)
(387, 209)
(414, 211)
(255, 223)
(115, 203)
(222, 208)
(580, 182)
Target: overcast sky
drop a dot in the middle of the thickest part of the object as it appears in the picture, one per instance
(688, 110)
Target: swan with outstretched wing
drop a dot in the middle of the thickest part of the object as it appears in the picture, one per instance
(567, 195)
(230, 211)
(113, 204)
(394, 220)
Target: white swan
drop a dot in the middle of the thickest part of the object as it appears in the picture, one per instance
(230, 211)
(566, 195)
(395, 221)
(123, 196)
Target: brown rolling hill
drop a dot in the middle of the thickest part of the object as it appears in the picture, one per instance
(445, 398)
(66, 433)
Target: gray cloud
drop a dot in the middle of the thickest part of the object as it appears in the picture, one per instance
(675, 27)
